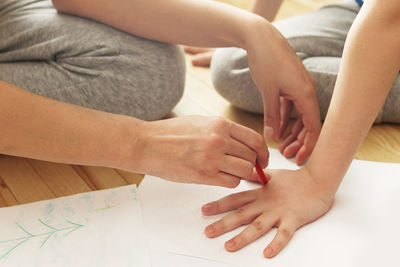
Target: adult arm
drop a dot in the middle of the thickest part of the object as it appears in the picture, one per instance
(214, 24)
(199, 149)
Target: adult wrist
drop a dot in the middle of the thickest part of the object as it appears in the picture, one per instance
(255, 31)
(127, 144)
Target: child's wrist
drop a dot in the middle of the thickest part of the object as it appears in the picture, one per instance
(327, 183)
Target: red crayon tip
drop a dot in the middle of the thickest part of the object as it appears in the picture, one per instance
(261, 175)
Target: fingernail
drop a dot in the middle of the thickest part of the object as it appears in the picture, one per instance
(268, 251)
(207, 208)
(231, 243)
(268, 132)
(210, 229)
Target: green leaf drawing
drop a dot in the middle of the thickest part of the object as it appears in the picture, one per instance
(71, 227)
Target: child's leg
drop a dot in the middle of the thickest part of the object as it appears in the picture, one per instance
(318, 38)
(86, 63)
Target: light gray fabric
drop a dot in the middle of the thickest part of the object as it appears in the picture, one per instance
(86, 63)
(318, 39)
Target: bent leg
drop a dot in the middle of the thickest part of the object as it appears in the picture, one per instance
(86, 63)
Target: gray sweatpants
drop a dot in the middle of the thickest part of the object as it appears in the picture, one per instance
(86, 63)
(318, 39)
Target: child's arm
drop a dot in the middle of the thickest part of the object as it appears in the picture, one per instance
(371, 62)
(213, 24)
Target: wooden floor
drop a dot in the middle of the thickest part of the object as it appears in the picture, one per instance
(25, 180)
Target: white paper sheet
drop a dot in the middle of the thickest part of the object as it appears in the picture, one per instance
(102, 228)
(362, 229)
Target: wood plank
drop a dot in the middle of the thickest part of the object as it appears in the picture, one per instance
(62, 179)
(23, 181)
(381, 144)
(103, 178)
(6, 197)
(84, 177)
(131, 178)
(2, 202)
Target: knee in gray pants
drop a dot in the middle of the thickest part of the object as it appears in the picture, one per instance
(86, 63)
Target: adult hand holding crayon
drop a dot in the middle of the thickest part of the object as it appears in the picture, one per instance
(201, 150)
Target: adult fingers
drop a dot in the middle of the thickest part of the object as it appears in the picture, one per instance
(297, 127)
(236, 166)
(271, 113)
(253, 231)
(292, 149)
(286, 110)
(241, 216)
(228, 203)
(254, 177)
(309, 144)
(253, 140)
(284, 234)
(240, 150)
(202, 59)
(222, 179)
(307, 107)
(302, 155)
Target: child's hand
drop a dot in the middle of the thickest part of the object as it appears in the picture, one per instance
(290, 200)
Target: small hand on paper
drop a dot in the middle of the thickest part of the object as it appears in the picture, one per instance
(290, 200)
(201, 150)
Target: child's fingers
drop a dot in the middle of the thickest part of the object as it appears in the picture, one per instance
(253, 231)
(282, 237)
(233, 220)
(228, 203)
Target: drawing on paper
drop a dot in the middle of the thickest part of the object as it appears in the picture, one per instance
(71, 227)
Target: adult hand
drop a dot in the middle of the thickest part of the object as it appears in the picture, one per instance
(202, 150)
(274, 205)
(201, 56)
(283, 82)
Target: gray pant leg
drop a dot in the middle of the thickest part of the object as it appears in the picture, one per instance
(86, 63)
(318, 39)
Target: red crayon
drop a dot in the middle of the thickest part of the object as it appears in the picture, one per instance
(261, 175)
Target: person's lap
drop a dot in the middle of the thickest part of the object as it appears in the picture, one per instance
(83, 62)
(318, 39)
